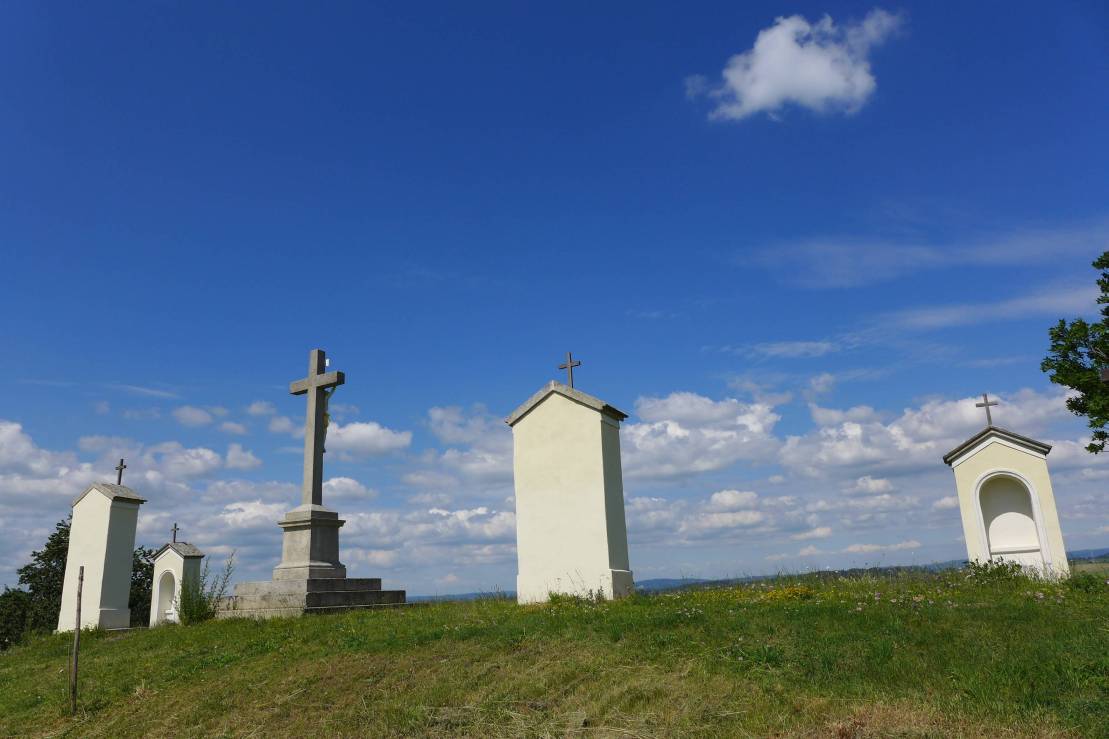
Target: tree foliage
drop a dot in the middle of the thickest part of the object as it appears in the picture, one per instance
(1078, 355)
(43, 577)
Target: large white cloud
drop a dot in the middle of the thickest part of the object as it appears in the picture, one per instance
(366, 438)
(820, 66)
(685, 433)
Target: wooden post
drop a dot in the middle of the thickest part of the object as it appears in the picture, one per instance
(76, 645)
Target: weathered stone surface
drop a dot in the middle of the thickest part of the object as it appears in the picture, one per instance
(292, 598)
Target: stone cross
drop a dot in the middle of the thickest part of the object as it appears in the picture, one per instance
(315, 386)
(986, 403)
(175, 530)
(569, 366)
(119, 472)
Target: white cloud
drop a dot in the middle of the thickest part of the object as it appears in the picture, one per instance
(366, 438)
(252, 514)
(819, 66)
(820, 532)
(809, 551)
(852, 261)
(794, 349)
(241, 459)
(346, 488)
(174, 461)
(1059, 300)
(284, 425)
(231, 427)
(946, 503)
(686, 433)
(869, 548)
(832, 417)
(867, 485)
(102, 407)
(189, 415)
(481, 451)
(918, 438)
(261, 408)
(708, 522)
(730, 500)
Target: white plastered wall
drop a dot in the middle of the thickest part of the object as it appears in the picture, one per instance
(1014, 467)
(102, 538)
(571, 535)
(179, 569)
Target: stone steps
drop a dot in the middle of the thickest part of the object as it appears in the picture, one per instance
(295, 597)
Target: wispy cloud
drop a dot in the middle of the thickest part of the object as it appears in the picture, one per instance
(1060, 300)
(148, 392)
(852, 262)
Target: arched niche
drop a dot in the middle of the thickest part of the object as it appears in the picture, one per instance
(167, 589)
(1009, 520)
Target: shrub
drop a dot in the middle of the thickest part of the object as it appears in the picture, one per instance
(1087, 582)
(200, 598)
(991, 572)
(15, 610)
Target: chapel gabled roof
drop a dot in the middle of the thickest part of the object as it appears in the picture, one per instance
(184, 548)
(568, 392)
(1000, 433)
(113, 492)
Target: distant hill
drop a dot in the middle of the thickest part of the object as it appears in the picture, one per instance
(657, 584)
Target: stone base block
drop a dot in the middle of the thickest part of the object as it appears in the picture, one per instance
(297, 597)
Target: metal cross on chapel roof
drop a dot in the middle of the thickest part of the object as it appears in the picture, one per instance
(986, 403)
(119, 471)
(569, 366)
(175, 530)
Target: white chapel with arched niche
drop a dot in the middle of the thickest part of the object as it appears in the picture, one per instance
(173, 563)
(1006, 500)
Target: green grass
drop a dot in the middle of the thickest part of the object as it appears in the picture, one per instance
(902, 655)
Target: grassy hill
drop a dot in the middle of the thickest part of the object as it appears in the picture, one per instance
(911, 654)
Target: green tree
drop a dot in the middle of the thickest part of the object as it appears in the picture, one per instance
(142, 582)
(43, 576)
(1078, 356)
(14, 606)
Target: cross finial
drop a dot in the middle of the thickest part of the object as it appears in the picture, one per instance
(175, 530)
(986, 403)
(569, 366)
(119, 471)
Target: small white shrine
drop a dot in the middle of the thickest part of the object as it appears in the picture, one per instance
(571, 536)
(102, 540)
(174, 563)
(1006, 499)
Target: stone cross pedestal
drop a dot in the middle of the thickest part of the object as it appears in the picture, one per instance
(310, 577)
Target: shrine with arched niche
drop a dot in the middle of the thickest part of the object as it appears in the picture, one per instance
(174, 563)
(1006, 500)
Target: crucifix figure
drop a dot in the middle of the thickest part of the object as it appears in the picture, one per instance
(315, 386)
(569, 366)
(175, 530)
(119, 471)
(986, 403)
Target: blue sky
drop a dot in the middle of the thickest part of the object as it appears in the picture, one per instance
(792, 261)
